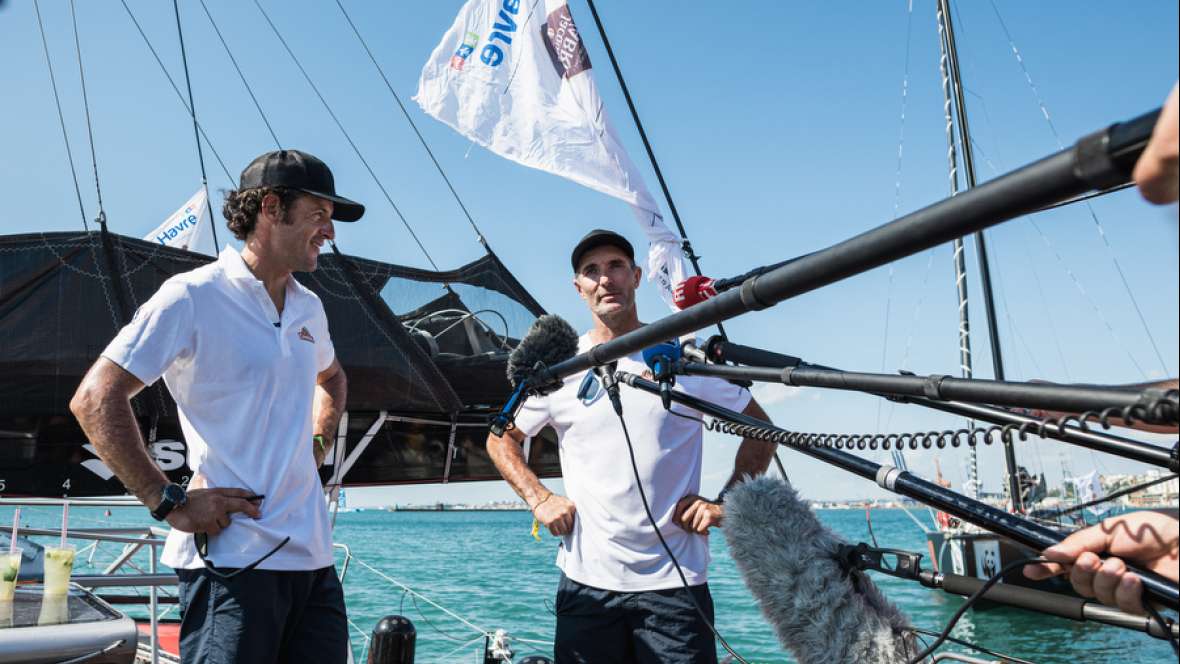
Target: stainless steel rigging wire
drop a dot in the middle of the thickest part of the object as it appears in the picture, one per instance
(347, 137)
(1032, 265)
(478, 233)
(1093, 215)
(905, 88)
(179, 95)
(60, 116)
(241, 76)
(102, 216)
(192, 106)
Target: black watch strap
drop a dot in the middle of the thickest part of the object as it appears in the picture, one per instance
(172, 496)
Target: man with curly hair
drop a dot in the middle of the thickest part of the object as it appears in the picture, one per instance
(244, 350)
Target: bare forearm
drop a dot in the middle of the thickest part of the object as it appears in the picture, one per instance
(327, 409)
(753, 458)
(506, 453)
(1167, 385)
(109, 424)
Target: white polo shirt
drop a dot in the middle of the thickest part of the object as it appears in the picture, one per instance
(613, 546)
(243, 378)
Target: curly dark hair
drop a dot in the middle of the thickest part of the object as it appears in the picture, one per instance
(242, 206)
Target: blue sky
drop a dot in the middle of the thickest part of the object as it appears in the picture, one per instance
(777, 126)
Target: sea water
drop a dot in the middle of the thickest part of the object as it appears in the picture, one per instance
(482, 571)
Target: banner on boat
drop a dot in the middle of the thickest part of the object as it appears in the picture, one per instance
(515, 78)
(185, 228)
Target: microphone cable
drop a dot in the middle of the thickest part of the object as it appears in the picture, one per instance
(975, 596)
(993, 580)
(667, 549)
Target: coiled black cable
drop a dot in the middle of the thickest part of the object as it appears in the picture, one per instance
(1160, 409)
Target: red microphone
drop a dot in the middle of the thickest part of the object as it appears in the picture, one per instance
(693, 290)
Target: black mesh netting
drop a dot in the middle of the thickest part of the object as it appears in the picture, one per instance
(417, 344)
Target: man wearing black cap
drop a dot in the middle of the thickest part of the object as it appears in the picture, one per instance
(620, 598)
(245, 351)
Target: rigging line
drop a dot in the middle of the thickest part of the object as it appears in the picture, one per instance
(109, 281)
(1081, 289)
(1086, 197)
(643, 135)
(478, 233)
(1007, 309)
(905, 87)
(1036, 280)
(1089, 208)
(1012, 331)
(179, 95)
(686, 246)
(412, 592)
(241, 76)
(348, 137)
(192, 105)
(905, 358)
(60, 116)
(102, 216)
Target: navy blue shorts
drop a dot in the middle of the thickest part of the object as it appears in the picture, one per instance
(262, 616)
(595, 625)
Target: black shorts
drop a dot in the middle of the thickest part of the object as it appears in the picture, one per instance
(595, 625)
(262, 616)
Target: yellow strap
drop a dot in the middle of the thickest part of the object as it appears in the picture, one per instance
(536, 532)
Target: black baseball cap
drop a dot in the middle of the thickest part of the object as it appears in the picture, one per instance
(300, 171)
(597, 238)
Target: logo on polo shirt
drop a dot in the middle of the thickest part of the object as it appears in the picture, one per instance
(305, 335)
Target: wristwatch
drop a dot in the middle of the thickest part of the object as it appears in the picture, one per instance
(172, 497)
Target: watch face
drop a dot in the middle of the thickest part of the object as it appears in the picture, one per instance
(172, 497)
(174, 494)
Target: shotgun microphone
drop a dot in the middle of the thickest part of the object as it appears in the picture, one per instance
(821, 610)
(550, 340)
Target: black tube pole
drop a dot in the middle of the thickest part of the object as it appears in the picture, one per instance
(1096, 161)
(1049, 396)
(1001, 522)
(915, 390)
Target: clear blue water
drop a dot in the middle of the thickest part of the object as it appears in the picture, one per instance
(486, 568)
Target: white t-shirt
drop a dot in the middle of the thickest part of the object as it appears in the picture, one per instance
(243, 379)
(613, 546)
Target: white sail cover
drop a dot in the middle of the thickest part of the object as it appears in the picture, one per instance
(186, 228)
(514, 77)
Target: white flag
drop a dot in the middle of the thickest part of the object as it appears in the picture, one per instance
(513, 76)
(185, 228)
(1089, 488)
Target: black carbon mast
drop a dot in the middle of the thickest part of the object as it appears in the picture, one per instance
(956, 86)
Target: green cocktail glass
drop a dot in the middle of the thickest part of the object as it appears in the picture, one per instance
(59, 564)
(9, 570)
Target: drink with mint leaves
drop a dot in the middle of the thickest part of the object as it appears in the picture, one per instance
(59, 564)
(9, 570)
